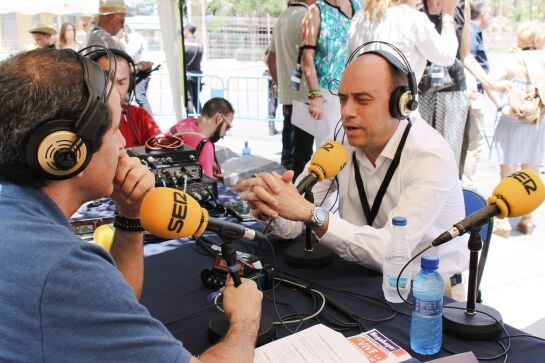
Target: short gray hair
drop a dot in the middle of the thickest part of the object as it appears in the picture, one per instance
(478, 7)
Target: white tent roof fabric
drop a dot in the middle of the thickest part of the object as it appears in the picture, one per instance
(62, 7)
(170, 29)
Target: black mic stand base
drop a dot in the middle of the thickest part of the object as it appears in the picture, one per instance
(469, 320)
(298, 256)
(219, 325)
(476, 326)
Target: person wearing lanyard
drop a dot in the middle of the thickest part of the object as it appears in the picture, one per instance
(397, 167)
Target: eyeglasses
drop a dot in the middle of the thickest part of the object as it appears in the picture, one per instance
(229, 123)
(164, 142)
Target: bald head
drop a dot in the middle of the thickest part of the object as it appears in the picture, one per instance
(380, 68)
(364, 94)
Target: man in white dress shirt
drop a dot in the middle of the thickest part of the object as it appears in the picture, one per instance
(424, 188)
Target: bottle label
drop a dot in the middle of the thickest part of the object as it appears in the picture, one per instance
(392, 281)
(428, 307)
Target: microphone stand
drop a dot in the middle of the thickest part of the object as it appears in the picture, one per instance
(219, 325)
(471, 320)
(312, 255)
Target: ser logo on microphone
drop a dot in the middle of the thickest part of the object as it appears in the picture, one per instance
(526, 180)
(328, 146)
(179, 212)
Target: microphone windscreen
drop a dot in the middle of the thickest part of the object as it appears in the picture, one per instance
(328, 160)
(104, 236)
(518, 194)
(171, 213)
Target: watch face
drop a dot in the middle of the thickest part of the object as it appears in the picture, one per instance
(320, 215)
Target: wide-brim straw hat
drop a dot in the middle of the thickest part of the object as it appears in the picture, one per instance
(43, 28)
(112, 7)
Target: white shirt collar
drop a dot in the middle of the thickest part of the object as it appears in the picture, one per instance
(389, 150)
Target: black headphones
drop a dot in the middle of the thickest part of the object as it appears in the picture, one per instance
(59, 149)
(403, 99)
(95, 55)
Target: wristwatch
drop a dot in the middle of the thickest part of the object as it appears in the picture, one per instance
(318, 216)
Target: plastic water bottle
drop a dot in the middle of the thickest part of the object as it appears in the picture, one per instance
(426, 322)
(397, 255)
(246, 149)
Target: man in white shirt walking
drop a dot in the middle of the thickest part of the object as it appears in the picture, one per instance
(424, 187)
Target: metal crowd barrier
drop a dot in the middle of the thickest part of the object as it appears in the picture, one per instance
(248, 95)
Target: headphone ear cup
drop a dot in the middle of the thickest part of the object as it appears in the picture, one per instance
(48, 150)
(401, 103)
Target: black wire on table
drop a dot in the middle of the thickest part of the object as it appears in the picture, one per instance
(498, 340)
(265, 234)
(248, 247)
(356, 295)
(189, 315)
(273, 290)
(523, 335)
(204, 245)
(403, 269)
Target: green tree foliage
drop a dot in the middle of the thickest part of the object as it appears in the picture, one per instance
(519, 10)
(246, 7)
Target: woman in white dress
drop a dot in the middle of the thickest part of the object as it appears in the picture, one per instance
(400, 23)
(521, 145)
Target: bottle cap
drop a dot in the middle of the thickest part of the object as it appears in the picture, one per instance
(429, 262)
(399, 221)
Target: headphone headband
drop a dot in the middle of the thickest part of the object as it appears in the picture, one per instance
(402, 100)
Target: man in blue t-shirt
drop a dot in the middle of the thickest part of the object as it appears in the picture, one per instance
(64, 299)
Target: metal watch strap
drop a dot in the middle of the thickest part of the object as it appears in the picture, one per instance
(313, 221)
(127, 224)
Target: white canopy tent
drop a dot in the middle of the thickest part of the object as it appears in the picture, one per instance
(169, 16)
(61, 7)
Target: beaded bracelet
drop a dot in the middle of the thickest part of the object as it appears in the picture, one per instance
(314, 93)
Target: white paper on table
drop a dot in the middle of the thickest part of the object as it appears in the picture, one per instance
(317, 344)
(321, 129)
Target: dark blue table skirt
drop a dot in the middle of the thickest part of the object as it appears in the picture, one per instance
(172, 289)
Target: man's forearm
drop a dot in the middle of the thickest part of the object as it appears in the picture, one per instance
(237, 346)
(128, 253)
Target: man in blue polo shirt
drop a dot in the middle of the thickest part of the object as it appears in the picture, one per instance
(64, 299)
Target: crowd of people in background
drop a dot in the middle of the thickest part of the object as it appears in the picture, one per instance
(442, 40)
